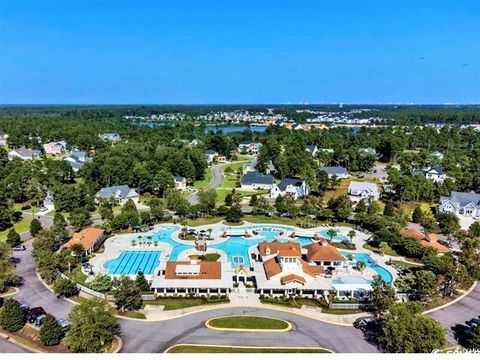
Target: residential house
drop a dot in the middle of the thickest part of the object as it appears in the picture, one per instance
(437, 154)
(326, 150)
(221, 158)
(426, 240)
(368, 151)
(3, 139)
(461, 203)
(180, 182)
(435, 173)
(312, 149)
(55, 147)
(338, 171)
(120, 194)
(89, 238)
(254, 180)
(210, 156)
(113, 137)
(250, 166)
(363, 191)
(293, 188)
(24, 154)
(76, 159)
(196, 142)
(249, 147)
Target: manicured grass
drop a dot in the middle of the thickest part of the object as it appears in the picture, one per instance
(206, 257)
(132, 314)
(387, 250)
(77, 275)
(204, 221)
(229, 181)
(20, 227)
(231, 349)
(405, 265)
(200, 184)
(248, 323)
(262, 219)
(183, 302)
(33, 209)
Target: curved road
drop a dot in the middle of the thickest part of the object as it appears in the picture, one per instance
(157, 336)
(217, 179)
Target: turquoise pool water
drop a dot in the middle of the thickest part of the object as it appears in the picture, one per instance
(131, 262)
(337, 238)
(351, 279)
(384, 274)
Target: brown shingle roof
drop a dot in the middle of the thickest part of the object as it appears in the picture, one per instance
(208, 270)
(271, 267)
(292, 278)
(430, 240)
(86, 237)
(312, 270)
(326, 252)
(288, 248)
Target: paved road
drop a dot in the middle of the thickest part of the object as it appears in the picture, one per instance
(458, 313)
(217, 179)
(46, 222)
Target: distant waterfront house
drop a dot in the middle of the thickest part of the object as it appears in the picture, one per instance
(338, 171)
(113, 137)
(362, 191)
(291, 188)
(3, 139)
(254, 180)
(76, 159)
(461, 203)
(368, 151)
(120, 194)
(210, 156)
(55, 147)
(180, 182)
(89, 238)
(312, 149)
(24, 154)
(249, 147)
(435, 173)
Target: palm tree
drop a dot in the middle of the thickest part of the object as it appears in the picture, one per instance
(209, 232)
(361, 266)
(351, 235)
(183, 222)
(133, 243)
(332, 233)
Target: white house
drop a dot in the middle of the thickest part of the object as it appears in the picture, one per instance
(180, 182)
(363, 191)
(250, 147)
(338, 171)
(113, 137)
(24, 154)
(76, 159)
(461, 203)
(210, 156)
(55, 147)
(437, 154)
(3, 139)
(288, 187)
(120, 194)
(254, 180)
(369, 151)
(435, 173)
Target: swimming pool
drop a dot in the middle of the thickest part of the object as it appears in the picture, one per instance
(337, 238)
(131, 262)
(384, 274)
(351, 279)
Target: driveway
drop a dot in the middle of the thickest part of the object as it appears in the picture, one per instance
(217, 178)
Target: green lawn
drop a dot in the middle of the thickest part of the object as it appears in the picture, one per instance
(20, 227)
(231, 349)
(206, 257)
(204, 221)
(405, 265)
(200, 184)
(229, 181)
(182, 302)
(248, 323)
(387, 250)
(33, 209)
(262, 219)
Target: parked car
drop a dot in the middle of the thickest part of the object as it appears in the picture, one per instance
(64, 324)
(363, 323)
(19, 248)
(39, 320)
(34, 313)
(25, 307)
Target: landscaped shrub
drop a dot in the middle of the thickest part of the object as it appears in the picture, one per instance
(65, 287)
(12, 316)
(51, 332)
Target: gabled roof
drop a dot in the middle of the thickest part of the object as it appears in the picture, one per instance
(430, 240)
(24, 152)
(312, 270)
(211, 152)
(255, 177)
(323, 252)
(271, 267)
(463, 198)
(333, 170)
(206, 270)
(359, 186)
(290, 181)
(288, 248)
(86, 238)
(111, 191)
(292, 278)
(179, 179)
(311, 148)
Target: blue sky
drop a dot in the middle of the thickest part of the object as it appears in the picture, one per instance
(244, 51)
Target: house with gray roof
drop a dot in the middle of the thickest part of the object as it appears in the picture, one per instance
(290, 187)
(24, 154)
(437, 154)
(435, 173)
(363, 191)
(312, 149)
(120, 194)
(76, 159)
(461, 203)
(338, 171)
(254, 180)
(368, 151)
(113, 137)
(180, 182)
(211, 156)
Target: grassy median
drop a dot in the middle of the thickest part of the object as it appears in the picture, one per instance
(248, 323)
(233, 349)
